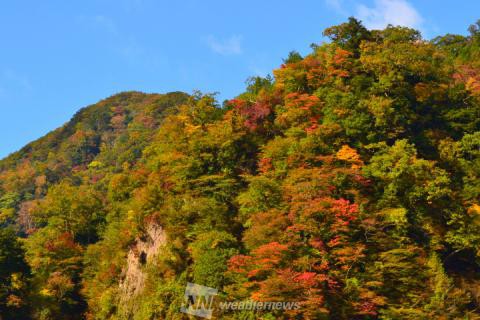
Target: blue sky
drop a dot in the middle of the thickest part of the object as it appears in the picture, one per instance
(58, 56)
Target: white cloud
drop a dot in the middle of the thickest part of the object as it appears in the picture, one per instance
(384, 12)
(228, 46)
(337, 5)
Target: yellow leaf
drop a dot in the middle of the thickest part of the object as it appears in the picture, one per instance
(348, 154)
(474, 209)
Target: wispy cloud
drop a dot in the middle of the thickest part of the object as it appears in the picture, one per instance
(337, 5)
(230, 46)
(384, 12)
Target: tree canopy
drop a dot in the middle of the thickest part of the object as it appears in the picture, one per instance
(349, 182)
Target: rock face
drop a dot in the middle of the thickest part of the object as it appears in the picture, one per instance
(142, 253)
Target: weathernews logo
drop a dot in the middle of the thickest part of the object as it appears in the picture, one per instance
(199, 301)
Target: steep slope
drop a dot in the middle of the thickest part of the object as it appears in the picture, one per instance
(348, 184)
(112, 132)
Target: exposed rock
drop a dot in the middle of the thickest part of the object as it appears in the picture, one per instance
(142, 253)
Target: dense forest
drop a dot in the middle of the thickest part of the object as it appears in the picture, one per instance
(349, 182)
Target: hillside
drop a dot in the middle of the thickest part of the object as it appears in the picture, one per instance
(347, 183)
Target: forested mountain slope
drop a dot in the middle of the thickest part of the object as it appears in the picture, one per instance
(348, 182)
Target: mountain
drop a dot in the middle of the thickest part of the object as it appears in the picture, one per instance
(97, 125)
(346, 186)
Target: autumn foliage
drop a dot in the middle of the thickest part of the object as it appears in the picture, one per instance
(347, 183)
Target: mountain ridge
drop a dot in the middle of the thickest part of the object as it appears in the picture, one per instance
(68, 127)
